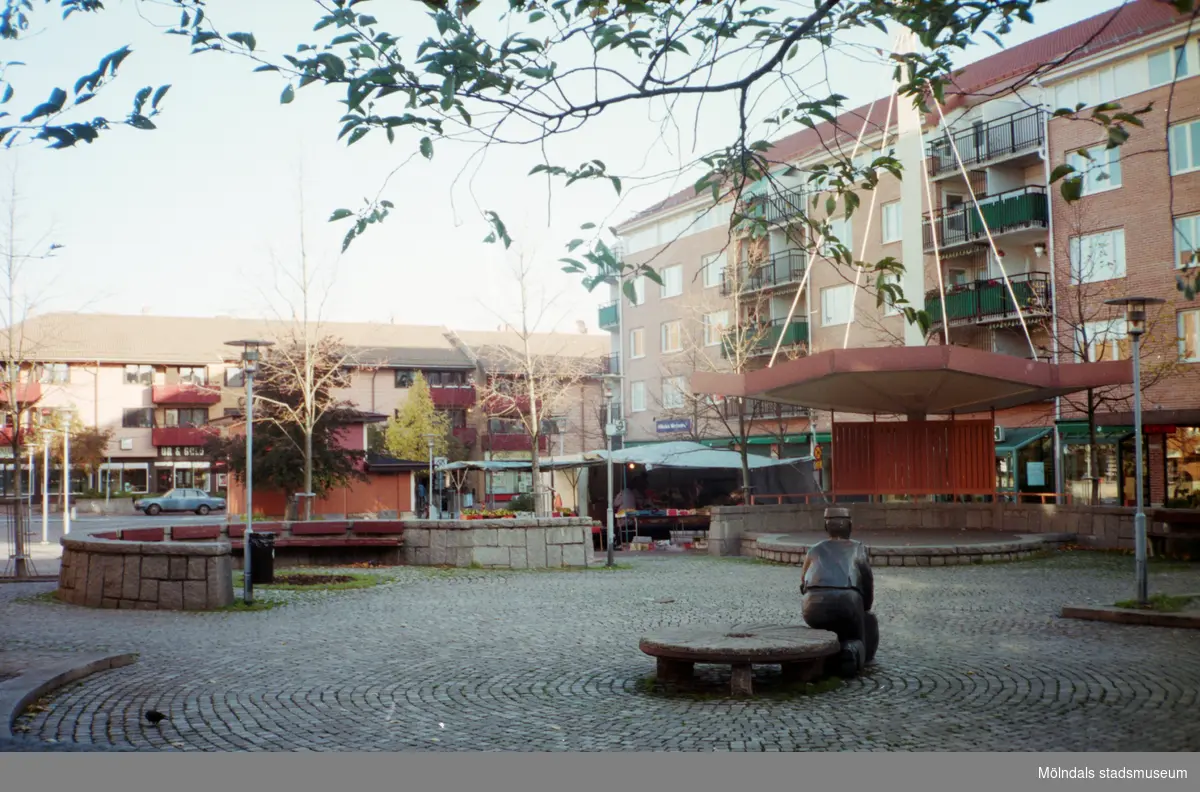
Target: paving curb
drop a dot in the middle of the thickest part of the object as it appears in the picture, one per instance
(771, 548)
(33, 579)
(18, 693)
(1186, 621)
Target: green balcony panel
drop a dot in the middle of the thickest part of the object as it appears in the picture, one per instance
(609, 316)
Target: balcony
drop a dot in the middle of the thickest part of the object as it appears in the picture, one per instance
(502, 405)
(185, 394)
(784, 268)
(760, 410)
(467, 435)
(989, 301)
(609, 316)
(988, 143)
(6, 436)
(27, 392)
(180, 436)
(452, 396)
(514, 442)
(779, 207)
(610, 364)
(1023, 209)
(761, 340)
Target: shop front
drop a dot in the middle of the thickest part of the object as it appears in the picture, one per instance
(1025, 463)
(182, 466)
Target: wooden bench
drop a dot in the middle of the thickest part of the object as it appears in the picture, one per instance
(1165, 525)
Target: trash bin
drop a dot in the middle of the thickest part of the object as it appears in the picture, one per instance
(262, 557)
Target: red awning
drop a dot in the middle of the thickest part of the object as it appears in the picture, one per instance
(913, 381)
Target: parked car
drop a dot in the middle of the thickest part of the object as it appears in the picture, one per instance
(181, 500)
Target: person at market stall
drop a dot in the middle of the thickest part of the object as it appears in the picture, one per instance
(626, 500)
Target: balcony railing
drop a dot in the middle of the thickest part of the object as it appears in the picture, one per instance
(185, 394)
(986, 301)
(762, 340)
(1000, 138)
(175, 436)
(609, 317)
(514, 442)
(759, 410)
(1015, 210)
(467, 435)
(451, 396)
(500, 405)
(610, 364)
(778, 206)
(26, 392)
(779, 269)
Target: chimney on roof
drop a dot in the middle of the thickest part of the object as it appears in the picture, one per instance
(581, 326)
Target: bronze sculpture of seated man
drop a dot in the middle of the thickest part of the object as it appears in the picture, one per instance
(838, 591)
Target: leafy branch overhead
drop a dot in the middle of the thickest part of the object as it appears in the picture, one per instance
(555, 66)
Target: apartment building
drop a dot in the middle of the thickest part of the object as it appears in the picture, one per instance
(158, 382)
(1004, 262)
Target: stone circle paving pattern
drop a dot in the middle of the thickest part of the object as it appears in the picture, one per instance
(971, 658)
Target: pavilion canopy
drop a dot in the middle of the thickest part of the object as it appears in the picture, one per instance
(913, 381)
(680, 454)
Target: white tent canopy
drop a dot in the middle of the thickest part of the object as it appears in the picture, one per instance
(681, 454)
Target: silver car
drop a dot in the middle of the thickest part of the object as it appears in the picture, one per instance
(181, 500)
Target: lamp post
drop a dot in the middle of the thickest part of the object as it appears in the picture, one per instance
(610, 430)
(429, 439)
(1135, 325)
(250, 367)
(45, 486)
(67, 412)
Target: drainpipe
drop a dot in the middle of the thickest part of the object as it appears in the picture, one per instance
(1059, 481)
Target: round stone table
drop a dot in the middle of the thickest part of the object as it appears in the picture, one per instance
(799, 651)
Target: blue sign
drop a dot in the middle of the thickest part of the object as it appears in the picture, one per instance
(673, 425)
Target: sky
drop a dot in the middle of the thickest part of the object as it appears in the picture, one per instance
(202, 216)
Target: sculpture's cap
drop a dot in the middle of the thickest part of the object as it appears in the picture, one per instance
(837, 513)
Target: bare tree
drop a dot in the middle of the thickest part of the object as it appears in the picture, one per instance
(526, 382)
(22, 372)
(1089, 330)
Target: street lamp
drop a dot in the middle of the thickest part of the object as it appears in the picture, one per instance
(67, 412)
(250, 359)
(430, 439)
(1135, 325)
(610, 430)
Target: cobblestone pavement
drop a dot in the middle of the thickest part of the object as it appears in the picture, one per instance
(971, 658)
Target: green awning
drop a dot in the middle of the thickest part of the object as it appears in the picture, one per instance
(1019, 437)
(1076, 433)
(724, 442)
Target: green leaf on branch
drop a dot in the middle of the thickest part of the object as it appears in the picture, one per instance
(340, 214)
(245, 39)
(499, 231)
(426, 148)
(288, 95)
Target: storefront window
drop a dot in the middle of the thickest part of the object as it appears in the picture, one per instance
(1077, 473)
(1183, 468)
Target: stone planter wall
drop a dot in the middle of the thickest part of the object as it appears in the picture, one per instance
(1100, 526)
(551, 542)
(106, 573)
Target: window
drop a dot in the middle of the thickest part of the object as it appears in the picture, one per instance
(232, 412)
(672, 336)
(1184, 144)
(836, 302)
(234, 377)
(137, 418)
(1101, 341)
(185, 416)
(714, 327)
(888, 308)
(673, 390)
(891, 222)
(404, 378)
(139, 375)
(637, 397)
(672, 281)
(457, 418)
(639, 290)
(713, 270)
(1098, 257)
(841, 230)
(1170, 64)
(447, 379)
(1189, 335)
(1100, 170)
(1187, 241)
(637, 343)
(54, 373)
(193, 375)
